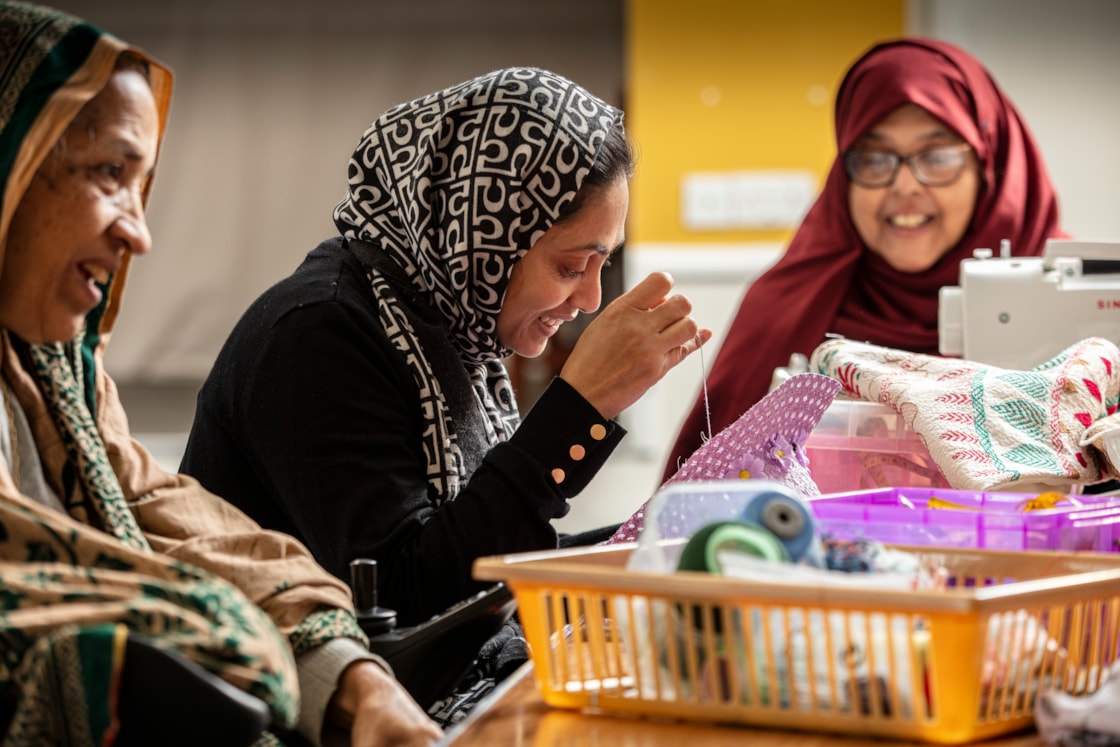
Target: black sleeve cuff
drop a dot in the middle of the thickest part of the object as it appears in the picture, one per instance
(568, 437)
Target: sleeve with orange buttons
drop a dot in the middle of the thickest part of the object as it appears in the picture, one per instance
(568, 436)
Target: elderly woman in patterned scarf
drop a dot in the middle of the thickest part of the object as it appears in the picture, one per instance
(121, 582)
(362, 403)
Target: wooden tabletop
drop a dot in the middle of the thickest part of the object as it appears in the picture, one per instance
(514, 714)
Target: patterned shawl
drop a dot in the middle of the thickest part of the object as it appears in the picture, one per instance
(143, 550)
(827, 281)
(454, 188)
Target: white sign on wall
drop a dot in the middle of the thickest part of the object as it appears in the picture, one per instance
(714, 201)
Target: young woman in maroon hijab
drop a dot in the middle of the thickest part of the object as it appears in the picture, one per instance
(933, 161)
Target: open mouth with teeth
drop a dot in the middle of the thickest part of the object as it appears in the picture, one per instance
(909, 220)
(98, 273)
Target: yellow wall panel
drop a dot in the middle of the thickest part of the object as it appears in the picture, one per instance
(725, 86)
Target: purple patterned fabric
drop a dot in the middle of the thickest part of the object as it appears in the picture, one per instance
(766, 442)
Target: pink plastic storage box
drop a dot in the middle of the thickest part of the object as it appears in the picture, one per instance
(859, 444)
(941, 517)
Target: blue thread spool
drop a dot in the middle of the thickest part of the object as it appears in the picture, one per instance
(786, 518)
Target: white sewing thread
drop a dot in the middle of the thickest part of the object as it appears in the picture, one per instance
(707, 408)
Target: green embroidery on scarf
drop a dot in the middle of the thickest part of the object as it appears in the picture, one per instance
(95, 659)
(104, 560)
(325, 625)
(279, 695)
(13, 644)
(63, 392)
(63, 547)
(62, 689)
(39, 578)
(9, 599)
(88, 344)
(212, 601)
(41, 552)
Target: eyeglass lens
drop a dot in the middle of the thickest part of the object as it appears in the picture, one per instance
(933, 167)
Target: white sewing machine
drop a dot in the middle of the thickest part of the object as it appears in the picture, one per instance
(1018, 312)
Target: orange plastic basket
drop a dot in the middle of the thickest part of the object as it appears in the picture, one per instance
(947, 667)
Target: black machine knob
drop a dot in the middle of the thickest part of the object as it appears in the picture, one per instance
(363, 583)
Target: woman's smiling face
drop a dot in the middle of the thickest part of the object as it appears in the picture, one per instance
(81, 212)
(560, 275)
(907, 223)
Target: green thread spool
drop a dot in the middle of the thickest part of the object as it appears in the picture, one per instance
(701, 553)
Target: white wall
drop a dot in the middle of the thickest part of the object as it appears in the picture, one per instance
(1060, 64)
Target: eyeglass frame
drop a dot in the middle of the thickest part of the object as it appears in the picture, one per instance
(909, 161)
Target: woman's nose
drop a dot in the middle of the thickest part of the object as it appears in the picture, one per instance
(905, 181)
(588, 294)
(131, 227)
(132, 233)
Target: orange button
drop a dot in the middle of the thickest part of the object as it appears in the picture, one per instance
(558, 475)
(598, 432)
(577, 452)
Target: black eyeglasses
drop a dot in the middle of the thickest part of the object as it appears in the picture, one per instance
(933, 167)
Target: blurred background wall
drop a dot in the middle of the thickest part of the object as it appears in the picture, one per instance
(270, 100)
(728, 101)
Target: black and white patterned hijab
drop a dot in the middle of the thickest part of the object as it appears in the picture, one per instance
(455, 187)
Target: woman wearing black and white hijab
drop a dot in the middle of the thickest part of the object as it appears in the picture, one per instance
(362, 405)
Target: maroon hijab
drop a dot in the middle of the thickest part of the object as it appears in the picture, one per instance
(826, 281)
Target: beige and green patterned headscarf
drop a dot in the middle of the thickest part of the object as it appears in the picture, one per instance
(52, 65)
(139, 552)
